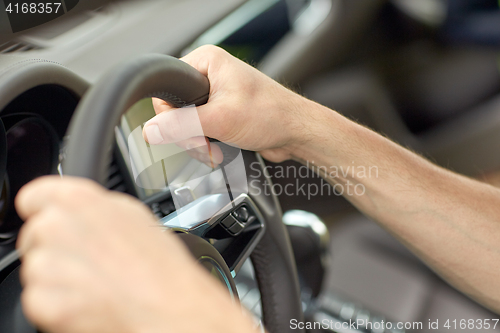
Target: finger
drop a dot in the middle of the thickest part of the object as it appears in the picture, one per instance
(49, 226)
(179, 124)
(202, 147)
(198, 144)
(52, 267)
(51, 309)
(34, 266)
(203, 150)
(173, 126)
(43, 191)
(35, 195)
(160, 106)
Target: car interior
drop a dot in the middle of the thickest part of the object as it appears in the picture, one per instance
(424, 73)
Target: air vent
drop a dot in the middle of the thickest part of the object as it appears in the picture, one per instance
(116, 181)
(14, 47)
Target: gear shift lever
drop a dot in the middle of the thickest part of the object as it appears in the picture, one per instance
(310, 238)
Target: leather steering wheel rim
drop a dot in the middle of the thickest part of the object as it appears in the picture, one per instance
(91, 137)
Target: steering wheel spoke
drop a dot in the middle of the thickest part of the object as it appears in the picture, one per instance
(234, 229)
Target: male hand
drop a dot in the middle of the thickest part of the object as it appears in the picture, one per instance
(245, 108)
(97, 261)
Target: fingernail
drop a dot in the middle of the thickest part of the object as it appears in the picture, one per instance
(153, 134)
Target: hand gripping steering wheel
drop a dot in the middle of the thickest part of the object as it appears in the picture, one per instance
(92, 134)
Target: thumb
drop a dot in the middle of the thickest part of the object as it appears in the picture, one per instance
(173, 126)
(178, 125)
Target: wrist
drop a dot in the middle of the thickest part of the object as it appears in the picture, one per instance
(316, 131)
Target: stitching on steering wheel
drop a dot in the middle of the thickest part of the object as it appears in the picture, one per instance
(168, 97)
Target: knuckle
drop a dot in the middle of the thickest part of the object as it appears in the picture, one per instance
(22, 237)
(43, 228)
(76, 192)
(211, 50)
(213, 53)
(37, 267)
(49, 222)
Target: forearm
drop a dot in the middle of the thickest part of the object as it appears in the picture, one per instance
(450, 221)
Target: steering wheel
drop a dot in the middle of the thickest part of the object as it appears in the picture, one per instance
(91, 137)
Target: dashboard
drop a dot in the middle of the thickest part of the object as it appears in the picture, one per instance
(32, 130)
